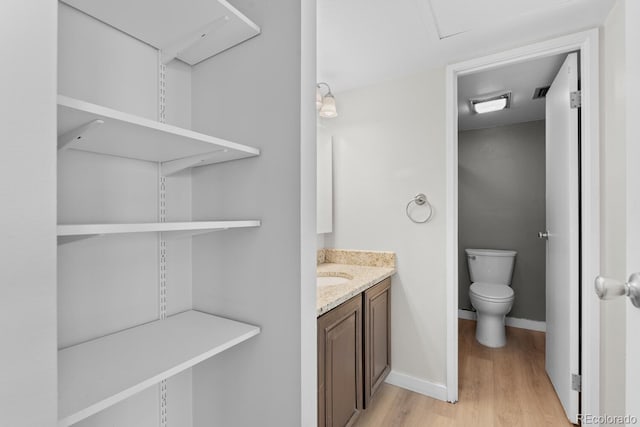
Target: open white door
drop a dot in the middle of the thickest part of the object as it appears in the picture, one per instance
(562, 217)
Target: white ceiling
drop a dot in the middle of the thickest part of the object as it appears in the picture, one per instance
(520, 79)
(363, 42)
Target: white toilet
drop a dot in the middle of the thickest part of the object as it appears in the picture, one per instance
(490, 292)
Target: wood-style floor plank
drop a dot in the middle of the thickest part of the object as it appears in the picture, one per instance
(504, 387)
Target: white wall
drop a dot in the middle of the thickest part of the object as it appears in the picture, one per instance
(324, 176)
(389, 145)
(320, 240)
(613, 217)
(28, 368)
(252, 94)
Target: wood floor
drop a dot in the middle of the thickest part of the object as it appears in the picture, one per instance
(505, 387)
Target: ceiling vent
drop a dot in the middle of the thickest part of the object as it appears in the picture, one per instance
(540, 92)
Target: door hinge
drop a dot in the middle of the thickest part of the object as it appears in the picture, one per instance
(576, 99)
(576, 382)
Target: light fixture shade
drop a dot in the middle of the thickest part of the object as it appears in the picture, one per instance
(328, 109)
(490, 104)
(318, 99)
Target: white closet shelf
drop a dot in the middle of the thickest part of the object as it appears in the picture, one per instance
(190, 30)
(98, 129)
(181, 228)
(102, 372)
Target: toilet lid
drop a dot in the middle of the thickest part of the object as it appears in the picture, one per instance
(491, 291)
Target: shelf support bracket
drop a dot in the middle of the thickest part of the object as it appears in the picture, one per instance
(74, 136)
(63, 240)
(172, 51)
(174, 166)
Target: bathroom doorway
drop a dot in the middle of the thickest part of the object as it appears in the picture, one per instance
(501, 179)
(516, 179)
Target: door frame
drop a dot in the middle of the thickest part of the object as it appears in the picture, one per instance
(586, 43)
(632, 200)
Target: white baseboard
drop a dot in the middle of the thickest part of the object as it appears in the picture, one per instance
(466, 314)
(429, 389)
(532, 325)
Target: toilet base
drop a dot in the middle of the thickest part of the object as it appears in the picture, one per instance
(490, 330)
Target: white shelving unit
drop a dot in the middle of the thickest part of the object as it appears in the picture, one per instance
(91, 127)
(100, 373)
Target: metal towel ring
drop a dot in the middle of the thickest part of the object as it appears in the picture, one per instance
(420, 200)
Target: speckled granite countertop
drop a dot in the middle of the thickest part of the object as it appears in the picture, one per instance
(362, 277)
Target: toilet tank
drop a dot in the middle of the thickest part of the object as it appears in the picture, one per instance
(490, 265)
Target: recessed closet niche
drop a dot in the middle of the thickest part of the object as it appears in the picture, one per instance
(129, 330)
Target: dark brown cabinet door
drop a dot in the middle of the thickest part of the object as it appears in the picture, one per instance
(340, 365)
(377, 337)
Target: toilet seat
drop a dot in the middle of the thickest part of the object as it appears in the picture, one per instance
(491, 292)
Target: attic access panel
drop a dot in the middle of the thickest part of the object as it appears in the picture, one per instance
(175, 26)
(458, 16)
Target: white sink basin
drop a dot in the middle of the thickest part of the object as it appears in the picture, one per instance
(331, 281)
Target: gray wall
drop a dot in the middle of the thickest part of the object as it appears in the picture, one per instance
(266, 276)
(502, 206)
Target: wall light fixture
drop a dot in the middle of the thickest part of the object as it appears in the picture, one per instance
(325, 104)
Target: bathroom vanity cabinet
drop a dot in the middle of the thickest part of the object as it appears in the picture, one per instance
(377, 337)
(340, 364)
(354, 355)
